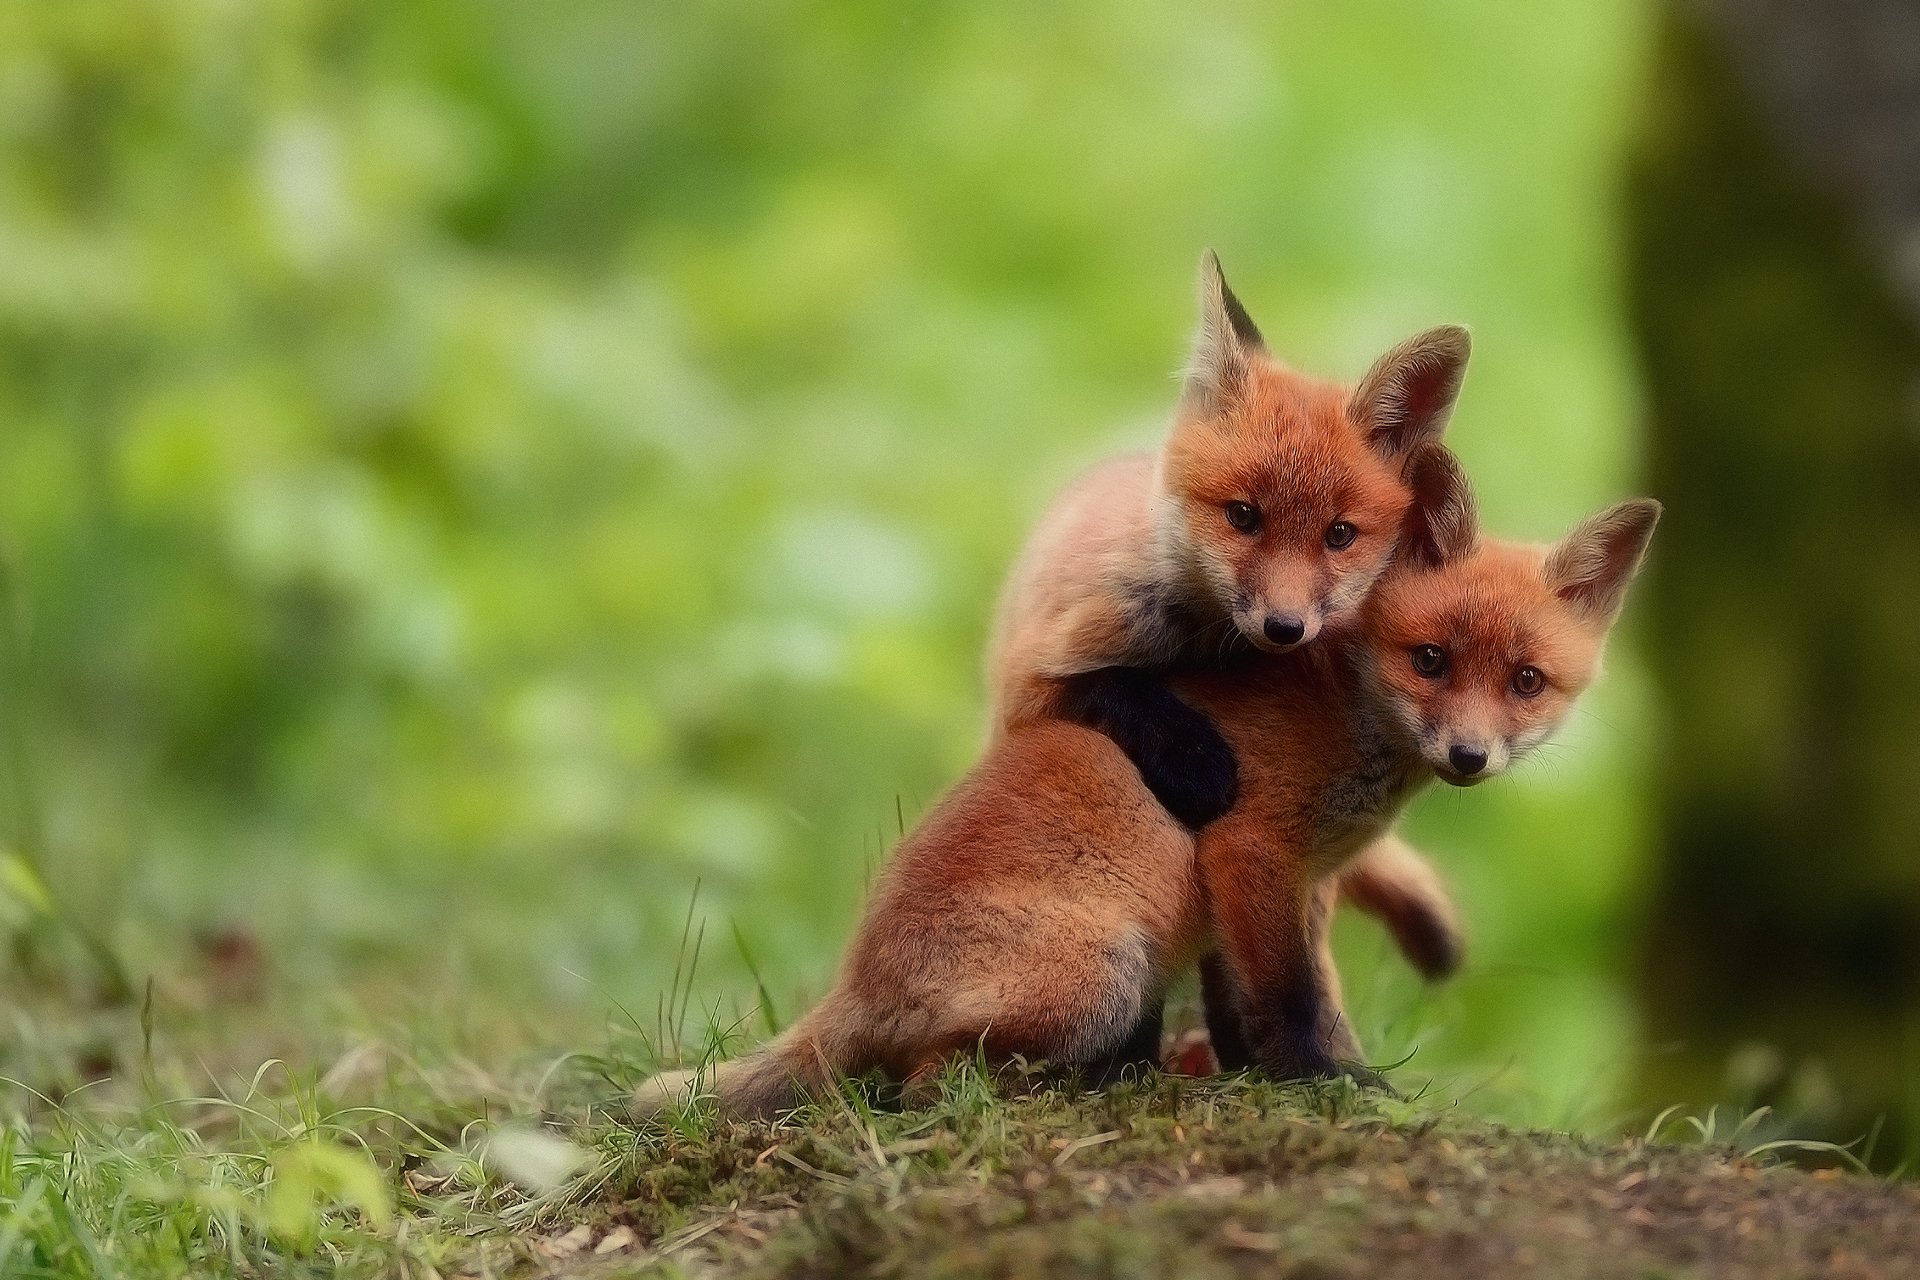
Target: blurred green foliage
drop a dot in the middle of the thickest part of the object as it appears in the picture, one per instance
(469, 471)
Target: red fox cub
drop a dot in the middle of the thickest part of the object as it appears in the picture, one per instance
(1044, 905)
(1266, 515)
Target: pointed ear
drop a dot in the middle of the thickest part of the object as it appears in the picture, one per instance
(1221, 346)
(1408, 395)
(1441, 525)
(1591, 567)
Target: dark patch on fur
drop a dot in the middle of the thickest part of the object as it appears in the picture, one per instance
(1181, 756)
(1275, 1033)
(1281, 1030)
(1137, 1054)
(1222, 1004)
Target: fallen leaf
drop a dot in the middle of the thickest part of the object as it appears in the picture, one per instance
(1214, 1188)
(617, 1239)
(568, 1243)
(532, 1159)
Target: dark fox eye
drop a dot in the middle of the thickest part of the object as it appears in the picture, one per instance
(1243, 516)
(1340, 535)
(1430, 661)
(1528, 681)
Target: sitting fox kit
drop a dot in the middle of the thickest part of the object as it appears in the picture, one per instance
(1266, 517)
(1044, 905)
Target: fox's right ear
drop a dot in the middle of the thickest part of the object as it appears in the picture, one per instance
(1225, 339)
(1408, 395)
(1441, 525)
(1592, 566)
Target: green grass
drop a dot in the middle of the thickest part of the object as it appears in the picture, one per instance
(414, 1146)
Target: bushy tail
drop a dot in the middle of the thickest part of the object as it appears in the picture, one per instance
(1391, 881)
(778, 1076)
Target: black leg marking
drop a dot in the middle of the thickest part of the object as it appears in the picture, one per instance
(1139, 1052)
(1286, 1044)
(1180, 755)
(1222, 1003)
(1281, 1028)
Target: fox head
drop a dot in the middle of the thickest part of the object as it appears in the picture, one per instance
(1282, 493)
(1480, 646)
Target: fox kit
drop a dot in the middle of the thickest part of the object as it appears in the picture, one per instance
(1468, 659)
(1265, 517)
(1045, 903)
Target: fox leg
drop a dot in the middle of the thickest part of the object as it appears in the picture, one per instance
(1263, 905)
(1390, 881)
(1181, 756)
(1221, 999)
(1080, 989)
(1092, 1002)
(1333, 1030)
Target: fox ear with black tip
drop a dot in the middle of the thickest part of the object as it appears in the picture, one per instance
(1407, 397)
(1442, 525)
(1222, 345)
(1594, 564)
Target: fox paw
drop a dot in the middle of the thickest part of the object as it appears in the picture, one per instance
(1181, 756)
(1366, 1077)
(1299, 1058)
(1193, 775)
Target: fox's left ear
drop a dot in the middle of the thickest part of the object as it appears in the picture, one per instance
(1223, 345)
(1592, 566)
(1408, 395)
(1441, 525)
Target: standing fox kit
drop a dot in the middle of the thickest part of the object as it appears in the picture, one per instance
(1045, 903)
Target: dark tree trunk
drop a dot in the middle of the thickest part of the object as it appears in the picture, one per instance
(1772, 208)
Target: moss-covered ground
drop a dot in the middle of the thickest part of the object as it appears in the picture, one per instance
(1174, 1176)
(411, 1149)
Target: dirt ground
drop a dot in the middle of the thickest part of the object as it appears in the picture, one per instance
(1233, 1180)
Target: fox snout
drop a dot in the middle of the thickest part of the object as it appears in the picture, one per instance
(1278, 630)
(1279, 614)
(1466, 759)
(1283, 631)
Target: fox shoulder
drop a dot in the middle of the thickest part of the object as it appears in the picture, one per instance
(1083, 593)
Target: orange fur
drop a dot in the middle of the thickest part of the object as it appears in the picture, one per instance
(1137, 563)
(1048, 899)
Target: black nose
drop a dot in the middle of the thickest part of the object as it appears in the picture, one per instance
(1285, 630)
(1467, 760)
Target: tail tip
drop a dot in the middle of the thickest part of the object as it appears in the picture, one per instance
(662, 1091)
(1437, 950)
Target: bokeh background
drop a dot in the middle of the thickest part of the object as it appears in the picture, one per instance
(471, 473)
